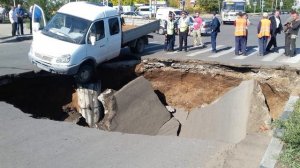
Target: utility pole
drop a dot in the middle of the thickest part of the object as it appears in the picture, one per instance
(262, 5)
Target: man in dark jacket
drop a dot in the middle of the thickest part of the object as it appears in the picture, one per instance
(276, 28)
(291, 30)
(215, 29)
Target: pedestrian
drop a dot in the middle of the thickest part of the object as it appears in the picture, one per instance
(13, 20)
(170, 26)
(183, 24)
(215, 29)
(2, 13)
(245, 16)
(276, 28)
(20, 16)
(240, 34)
(263, 33)
(176, 26)
(197, 30)
(291, 30)
(30, 18)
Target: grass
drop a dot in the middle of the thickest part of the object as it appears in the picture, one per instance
(290, 156)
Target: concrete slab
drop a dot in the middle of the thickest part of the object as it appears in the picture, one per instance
(181, 115)
(33, 143)
(170, 128)
(225, 119)
(248, 152)
(139, 109)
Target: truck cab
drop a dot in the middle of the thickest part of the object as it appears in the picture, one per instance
(77, 38)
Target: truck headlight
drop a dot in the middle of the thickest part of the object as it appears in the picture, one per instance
(63, 59)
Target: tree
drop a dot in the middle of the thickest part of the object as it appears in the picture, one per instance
(208, 5)
(173, 3)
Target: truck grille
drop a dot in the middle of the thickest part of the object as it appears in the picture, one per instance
(44, 57)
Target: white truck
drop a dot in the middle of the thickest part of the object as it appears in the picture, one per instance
(82, 35)
(230, 8)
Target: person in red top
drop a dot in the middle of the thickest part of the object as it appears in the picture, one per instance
(197, 30)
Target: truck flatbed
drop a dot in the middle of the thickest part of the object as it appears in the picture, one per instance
(133, 31)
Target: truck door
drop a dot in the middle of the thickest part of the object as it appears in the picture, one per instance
(114, 39)
(98, 50)
(38, 20)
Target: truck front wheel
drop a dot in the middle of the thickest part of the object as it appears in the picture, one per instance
(85, 73)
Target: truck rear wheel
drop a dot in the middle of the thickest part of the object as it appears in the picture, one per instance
(85, 73)
(140, 46)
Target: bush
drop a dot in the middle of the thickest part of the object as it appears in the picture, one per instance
(290, 156)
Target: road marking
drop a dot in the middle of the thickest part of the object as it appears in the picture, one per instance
(273, 56)
(154, 42)
(202, 51)
(253, 51)
(291, 60)
(154, 51)
(222, 53)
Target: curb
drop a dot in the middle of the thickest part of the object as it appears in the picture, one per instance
(16, 39)
(275, 146)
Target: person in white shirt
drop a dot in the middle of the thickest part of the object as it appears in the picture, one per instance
(13, 20)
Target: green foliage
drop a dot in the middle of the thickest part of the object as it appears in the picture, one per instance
(291, 137)
(208, 5)
(173, 3)
(123, 2)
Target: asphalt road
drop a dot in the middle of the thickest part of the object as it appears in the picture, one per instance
(225, 46)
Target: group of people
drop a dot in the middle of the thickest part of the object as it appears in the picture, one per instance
(267, 30)
(16, 18)
(182, 27)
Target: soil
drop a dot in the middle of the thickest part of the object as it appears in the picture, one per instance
(190, 90)
(275, 99)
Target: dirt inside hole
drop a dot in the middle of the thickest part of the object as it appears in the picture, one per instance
(190, 90)
(44, 96)
(275, 99)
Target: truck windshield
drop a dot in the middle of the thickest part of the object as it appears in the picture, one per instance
(233, 6)
(67, 28)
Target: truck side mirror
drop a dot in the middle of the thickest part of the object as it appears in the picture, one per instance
(93, 39)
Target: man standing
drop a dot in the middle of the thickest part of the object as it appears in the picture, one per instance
(13, 20)
(197, 30)
(276, 28)
(215, 29)
(170, 31)
(263, 33)
(240, 34)
(30, 18)
(291, 30)
(20, 15)
(183, 24)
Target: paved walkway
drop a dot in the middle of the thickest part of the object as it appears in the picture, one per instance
(5, 32)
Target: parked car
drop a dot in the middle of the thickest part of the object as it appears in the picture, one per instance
(164, 12)
(144, 10)
(134, 15)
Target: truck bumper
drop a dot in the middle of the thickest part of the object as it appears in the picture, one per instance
(57, 69)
